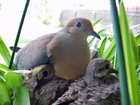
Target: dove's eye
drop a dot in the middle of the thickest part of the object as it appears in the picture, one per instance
(78, 24)
(107, 66)
(45, 73)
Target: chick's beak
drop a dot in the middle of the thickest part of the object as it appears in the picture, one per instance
(93, 33)
(112, 71)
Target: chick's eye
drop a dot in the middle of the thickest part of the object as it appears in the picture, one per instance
(107, 66)
(45, 73)
(78, 24)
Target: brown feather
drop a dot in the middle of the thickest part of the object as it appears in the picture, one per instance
(105, 92)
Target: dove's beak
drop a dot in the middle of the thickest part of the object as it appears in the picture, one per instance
(93, 33)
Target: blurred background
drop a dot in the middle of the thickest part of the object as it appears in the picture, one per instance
(46, 16)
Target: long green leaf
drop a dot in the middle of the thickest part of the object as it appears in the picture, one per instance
(4, 51)
(13, 80)
(111, 55)
(134, 48)
(4, 68)
(131, 19)
(91, 41)
(128, 57)
(21, 96)
(102, 47)
(102, 30)
(139, 53)
(138, 39)
(109, 50)
(5, 98)
(115, 63)
(96, 22)
(20, 91)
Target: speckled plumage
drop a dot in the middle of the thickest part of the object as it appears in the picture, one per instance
(51, 91)
(44, 87)
(97, 87)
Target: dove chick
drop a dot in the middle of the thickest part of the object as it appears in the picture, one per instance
(67, 50)
(44, 87)
(97, 87)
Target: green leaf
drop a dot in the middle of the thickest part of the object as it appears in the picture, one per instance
(102, 30)
(130, 20)
(13, 80)
(129, 58)
(115, 63)
(5, 98)
(138, 39)
(21, 96)
(4, 51)
(134, 48)
(102, 47)
(109, 50)
(112, 55)
(4, 68)
(91, 41)
(102, 33)
(96, 22)
(139, 52)
(20, 91)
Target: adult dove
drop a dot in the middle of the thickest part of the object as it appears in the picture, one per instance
(97, 87)
(43, 86)
(67, 50)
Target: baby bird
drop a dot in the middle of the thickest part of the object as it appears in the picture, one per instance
(44, 87)
(97, 87)
(67, 50)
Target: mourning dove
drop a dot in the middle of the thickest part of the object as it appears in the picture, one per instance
(97, 87)
(67, 50)
(44, 87)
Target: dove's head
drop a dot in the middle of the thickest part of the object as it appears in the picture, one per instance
(81, 27)
(98, 68)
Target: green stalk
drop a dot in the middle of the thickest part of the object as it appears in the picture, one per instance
(119, 51)
(18, 33)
